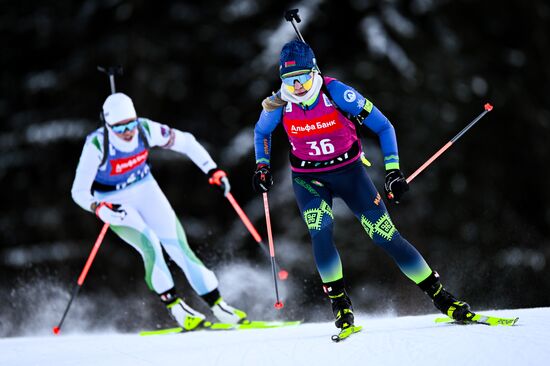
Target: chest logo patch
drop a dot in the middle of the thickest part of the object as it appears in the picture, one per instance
(349, 96)
(123, 165)
(307, 127)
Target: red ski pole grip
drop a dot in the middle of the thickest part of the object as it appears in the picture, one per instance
(488, 107)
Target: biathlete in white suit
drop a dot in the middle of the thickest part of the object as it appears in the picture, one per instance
(114, 181)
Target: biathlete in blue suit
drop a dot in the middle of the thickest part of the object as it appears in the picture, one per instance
(316, 113)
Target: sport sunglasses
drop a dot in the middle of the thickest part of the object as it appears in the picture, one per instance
(128, 126)
(301, 78)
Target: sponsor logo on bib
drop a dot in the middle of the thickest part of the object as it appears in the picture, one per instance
(302, 128)
(123, 165)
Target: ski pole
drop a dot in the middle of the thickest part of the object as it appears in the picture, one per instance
(283, 274)
(83, 274)
(293, 17)
(488, 107)
(278, 304)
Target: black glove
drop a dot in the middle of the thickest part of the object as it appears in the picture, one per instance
(395, 185)
(217, 177)
(262, 179)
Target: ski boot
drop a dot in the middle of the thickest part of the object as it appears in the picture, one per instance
(223, 312)
(341, 303)
(183, 314)
(227, 314)
(443, 300)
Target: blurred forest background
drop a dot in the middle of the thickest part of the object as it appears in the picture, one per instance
(480, 214)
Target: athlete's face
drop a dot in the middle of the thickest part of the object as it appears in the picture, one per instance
(299, 88)
(298, 83)
(125, 129)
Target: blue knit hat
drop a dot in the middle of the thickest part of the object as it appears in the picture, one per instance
(296, 55)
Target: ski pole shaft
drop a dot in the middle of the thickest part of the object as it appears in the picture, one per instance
(278, 303)
(92, 255)
(488, 107)
(83, 274)
(244, 218)
(283, 274)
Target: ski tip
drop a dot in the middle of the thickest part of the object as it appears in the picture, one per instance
(56, 330)
(488, 107)
(346, 332)
(336, 338)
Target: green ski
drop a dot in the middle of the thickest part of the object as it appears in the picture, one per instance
(346, 332)
(480, 319)
(247, 324)
(259, 324)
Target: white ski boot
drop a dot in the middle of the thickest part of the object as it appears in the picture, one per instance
(187, 317)
(227, 314)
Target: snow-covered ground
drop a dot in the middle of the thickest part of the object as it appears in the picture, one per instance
(414, 340)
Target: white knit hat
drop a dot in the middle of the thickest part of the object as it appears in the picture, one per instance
(118, 107)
